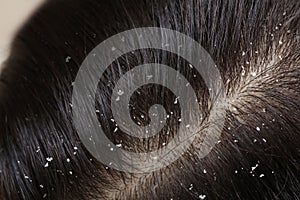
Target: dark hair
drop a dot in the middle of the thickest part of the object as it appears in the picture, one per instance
(256, 47)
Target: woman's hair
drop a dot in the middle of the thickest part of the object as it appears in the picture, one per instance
(255, 46)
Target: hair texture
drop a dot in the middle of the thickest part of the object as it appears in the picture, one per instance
(256, 47)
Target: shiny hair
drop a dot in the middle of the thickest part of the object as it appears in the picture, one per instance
(256, 47)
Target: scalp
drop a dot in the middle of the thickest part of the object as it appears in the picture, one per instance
(255, 45)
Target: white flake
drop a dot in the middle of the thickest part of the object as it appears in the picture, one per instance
(149, 77)
(253, 74)
(262, 175)
(253, 168)
(119, 145)
(176, 100)
(120, 92)
(191, 187)
(49, 159)
(68, 58)
(264, 140)
(155, 158)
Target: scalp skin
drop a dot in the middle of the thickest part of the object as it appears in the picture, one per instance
(255, 45)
